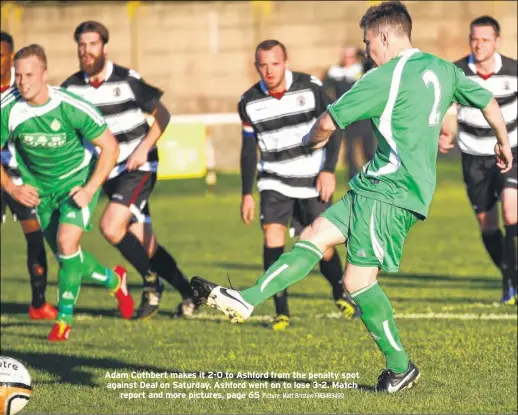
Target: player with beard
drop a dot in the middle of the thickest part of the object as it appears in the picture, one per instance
(36, 256)
(124, 98)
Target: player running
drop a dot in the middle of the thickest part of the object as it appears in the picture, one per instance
(61, 179)
(39, 309)
(406, 98)
(124, 98)
(485, 185)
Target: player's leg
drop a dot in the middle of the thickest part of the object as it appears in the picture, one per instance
(37, 267)
(65, 226)
(91, 270)
(162, 262)
(330, 265)
(326, 232)
(36, 260)
(376, 239)
(276, 210)
(126, 192)
(481, 178)
(510, 215)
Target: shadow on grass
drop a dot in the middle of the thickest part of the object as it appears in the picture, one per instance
(70, 368)
(131, 285)
(73, 369)
(21, 308)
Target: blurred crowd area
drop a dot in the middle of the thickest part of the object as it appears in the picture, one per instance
(201, 53)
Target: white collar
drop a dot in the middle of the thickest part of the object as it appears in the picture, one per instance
(288, 75)
(410, 51)
(498, 63)
(109, 71)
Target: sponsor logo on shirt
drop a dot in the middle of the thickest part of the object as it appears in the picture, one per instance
(44, 140)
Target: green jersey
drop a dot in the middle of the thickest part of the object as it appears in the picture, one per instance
(48, 138)
(406, 100)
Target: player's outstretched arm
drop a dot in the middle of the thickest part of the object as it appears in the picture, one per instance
(495, 119)
(320, 132)
(109, 147)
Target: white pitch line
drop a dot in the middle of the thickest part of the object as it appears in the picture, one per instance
(335, 316)
(403, 316)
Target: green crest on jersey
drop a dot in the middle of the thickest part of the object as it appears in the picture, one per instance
(50, 139)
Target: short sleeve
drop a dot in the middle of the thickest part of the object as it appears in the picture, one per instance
(469, 93)
(84, 117)
(366, 99)
(146, 96)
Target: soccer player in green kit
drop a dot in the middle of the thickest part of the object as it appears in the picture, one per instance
(406, 98)
(62, 179)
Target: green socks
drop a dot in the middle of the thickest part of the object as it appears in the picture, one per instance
(69, 284)
(97, 274)
(290, 268)
(376, 309)
(72, 269)
(378, 317)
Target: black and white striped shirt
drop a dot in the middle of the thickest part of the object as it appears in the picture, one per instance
(475, 135)
(277, 126)
(8, 152)
(123, 98)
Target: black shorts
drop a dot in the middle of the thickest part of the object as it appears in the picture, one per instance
(132, 189)
(20, 212)
(484, 182)
(278, 208)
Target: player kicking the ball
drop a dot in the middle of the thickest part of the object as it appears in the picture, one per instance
(47, 126)
(406, 98)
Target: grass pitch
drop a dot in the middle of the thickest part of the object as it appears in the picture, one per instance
(444, 297)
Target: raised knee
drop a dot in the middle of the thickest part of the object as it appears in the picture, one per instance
(111, 231)
(306, 233)
(67, 244)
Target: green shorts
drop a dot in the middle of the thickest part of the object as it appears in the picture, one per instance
(375, 231)
(60, 208)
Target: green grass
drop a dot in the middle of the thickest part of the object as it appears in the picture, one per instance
(468, 365)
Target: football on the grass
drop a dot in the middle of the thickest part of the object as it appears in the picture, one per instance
(15, 386)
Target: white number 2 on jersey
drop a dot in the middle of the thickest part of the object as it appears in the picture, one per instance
(429, 77)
